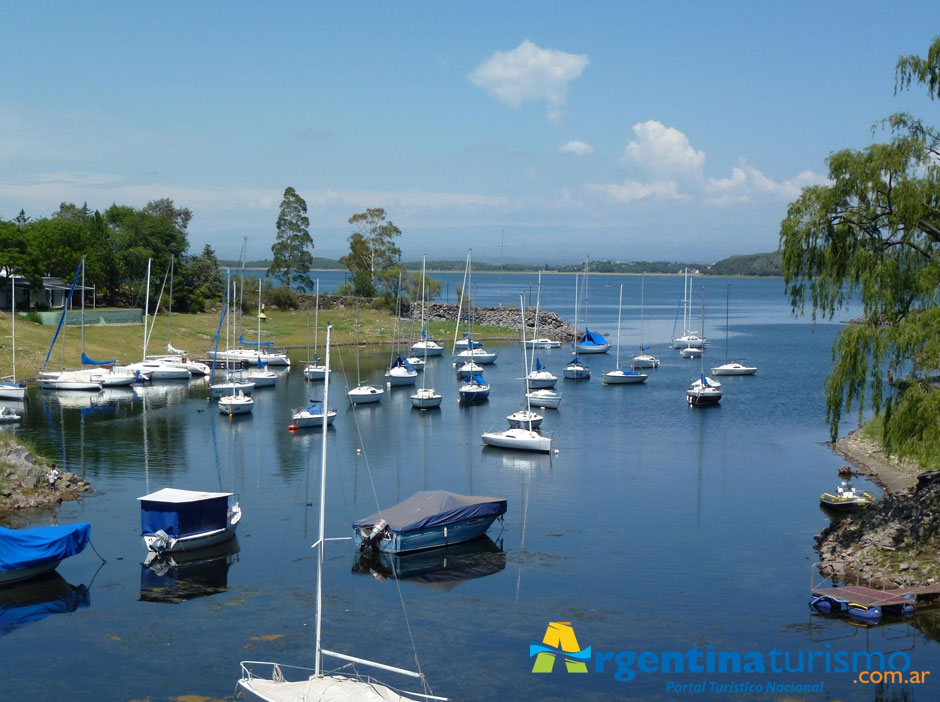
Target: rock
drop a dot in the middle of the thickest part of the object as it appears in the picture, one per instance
(903, 567)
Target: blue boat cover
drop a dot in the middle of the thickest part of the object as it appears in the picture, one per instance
(434, 508)
(538, 365)
(86, 361)
(183, 518)
(244, 342)
(38, 600)
(577, 362)
(471, 344)
(590, 338)
(400, 362)
(474, 378)
(24, 548)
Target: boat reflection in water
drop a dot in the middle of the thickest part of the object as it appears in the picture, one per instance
(36, 599)
(178, 576)
(440, 568)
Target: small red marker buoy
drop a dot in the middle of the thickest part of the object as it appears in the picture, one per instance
(291, 427)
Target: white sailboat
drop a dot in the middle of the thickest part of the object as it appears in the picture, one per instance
(538, 376)
(265, 681)
(644, 360)
(10, 389)
(576, 368)
(230, 385)
(314, 370)
(472, 350)
(524, 437)
(154, 369)
(622, 376)
(425, 397)
(426, 347)
(400, 371)
(731, 367)
(703, 391)
(178, 356)
(238, 401)
(590, 341)
(261, 377)
(361, 394)
(689, 338)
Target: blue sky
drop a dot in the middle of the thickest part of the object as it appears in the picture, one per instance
(624, 130)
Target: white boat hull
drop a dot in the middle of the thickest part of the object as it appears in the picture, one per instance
(542, 380)
(365, 394)
(548, 400)
(481, 356)
(9, 391)
(394, 377)
(518, 439)
(304, 419)
(645, 361)
(734, 369)
(542, 344)
(426, 398)
(620, 377)
(236, 404)
(577, 372)
(593, 348)
(430, 347)
(524, 419)
(222, 389)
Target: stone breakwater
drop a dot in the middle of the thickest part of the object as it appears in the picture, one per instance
(893, 543)
(24, 483)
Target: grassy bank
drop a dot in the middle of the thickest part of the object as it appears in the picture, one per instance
(195, 333)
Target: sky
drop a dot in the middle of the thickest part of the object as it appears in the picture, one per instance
(528, 131)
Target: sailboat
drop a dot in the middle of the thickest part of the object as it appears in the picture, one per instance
(472, 350)
(644, 360)
(425, 397)
(703, 391)
(362, 394)
(154, 369)
(173, 355)
(576, 368)
(289, 683)
(731, 367)
(590, 341)
(622, 376)
(10, 389)
(524, 437)
(315, 370)
(689, 338)
(539, 376)
(234, 394)
(400, 371)
(262, 377)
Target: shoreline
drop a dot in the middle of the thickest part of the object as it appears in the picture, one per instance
(888, 472)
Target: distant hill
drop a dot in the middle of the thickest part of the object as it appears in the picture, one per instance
(748, 264)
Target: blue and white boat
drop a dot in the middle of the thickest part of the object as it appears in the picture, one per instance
(181, 520)
(427, 519)
(592, 342)
(473, 388)
(29, 553)
(401, 372)
(311, 415)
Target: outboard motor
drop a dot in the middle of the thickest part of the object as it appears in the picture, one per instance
(375, 536)
(160, 542)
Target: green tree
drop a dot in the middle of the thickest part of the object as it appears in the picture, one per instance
(373, 255)
(198, 281)
(872, 233)
(292, 244)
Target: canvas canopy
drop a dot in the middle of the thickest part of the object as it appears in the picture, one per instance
(244, 342)
(474, 378)
(183, 512)
(24, 548)
(400, 362)
(590, 338)
(434, 508)
(86, 361)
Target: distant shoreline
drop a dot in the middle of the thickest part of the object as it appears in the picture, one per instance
(522, 272)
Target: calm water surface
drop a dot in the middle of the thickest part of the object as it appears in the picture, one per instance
(656, 527)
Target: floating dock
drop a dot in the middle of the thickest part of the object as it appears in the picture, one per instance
(870, 604)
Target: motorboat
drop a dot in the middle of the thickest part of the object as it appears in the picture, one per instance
(543, 343)
(174, 520)
(68, 380)
(549, 399)
(236, 403)
(427, 519)
(525, 419)
(29, 553)
(311, 415)
(847, 498)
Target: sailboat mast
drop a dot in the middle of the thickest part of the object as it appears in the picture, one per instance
(83, 311)
(143, 356)
(525, 359)
(619, 315)
(727, 301)
(463, 289)
(702, 355)
(316, 324)
(642, 308)
(169, 316)
(13, 321)
(574, 334)
(322, 536)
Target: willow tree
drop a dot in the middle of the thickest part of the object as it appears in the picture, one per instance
(872, 233)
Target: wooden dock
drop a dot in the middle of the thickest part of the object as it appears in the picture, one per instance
(870, 603)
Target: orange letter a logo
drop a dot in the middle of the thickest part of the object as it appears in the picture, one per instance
(559, 637)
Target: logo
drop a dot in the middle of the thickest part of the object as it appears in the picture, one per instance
(559, 640)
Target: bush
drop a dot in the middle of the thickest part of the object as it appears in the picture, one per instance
(283, 298)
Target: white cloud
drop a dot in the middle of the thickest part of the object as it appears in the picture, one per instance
(529, 73)
(748, 183)
(635, 190)
(664, 150)
(577, 148)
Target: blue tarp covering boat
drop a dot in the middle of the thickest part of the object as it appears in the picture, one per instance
(400, 362)
(590, 338)
(86, 361)
(244, 342)
(27, 548)
(183, 512)
(434, 508)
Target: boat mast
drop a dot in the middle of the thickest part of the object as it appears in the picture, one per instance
(463, 289)
(316, 325)
(642, 309)
(321, 541)
(83, 311)
(169, 316)
(619, 315)
(702, 355)
(727, 300)
(13, 321)
(143, 356)
(525, 361)
(574, 333)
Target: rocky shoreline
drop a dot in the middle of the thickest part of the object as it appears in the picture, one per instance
(24, 481)
(895, 542)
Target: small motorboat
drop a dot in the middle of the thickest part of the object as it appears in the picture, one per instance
(847, 498)
(427, 519)
(29, 553)
(182, 520)
(8, 416)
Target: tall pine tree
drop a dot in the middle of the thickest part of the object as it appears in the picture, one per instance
(293, 244)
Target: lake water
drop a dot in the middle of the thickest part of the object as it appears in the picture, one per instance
(656, 527)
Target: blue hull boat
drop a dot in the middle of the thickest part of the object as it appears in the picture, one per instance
(427, 519)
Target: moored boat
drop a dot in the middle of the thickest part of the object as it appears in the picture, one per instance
(29, 553)
(847, 498)
(172, 519)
